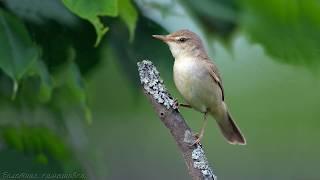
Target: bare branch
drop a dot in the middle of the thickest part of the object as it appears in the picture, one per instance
(167, 110)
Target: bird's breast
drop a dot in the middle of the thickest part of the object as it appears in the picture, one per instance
(194, 83)
(183, 71)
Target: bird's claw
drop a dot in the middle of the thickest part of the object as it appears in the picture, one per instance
(176, 104)
(198, 139)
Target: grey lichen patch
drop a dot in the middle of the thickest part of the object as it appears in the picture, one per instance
(153, 84)
(200, 162)
(188, 137)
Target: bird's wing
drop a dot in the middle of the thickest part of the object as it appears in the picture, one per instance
(214, 73)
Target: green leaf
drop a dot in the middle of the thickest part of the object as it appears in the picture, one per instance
(129, 15)
(75, 85)
(46, 83)
(17, 51)
(91, 12)
(71, 92)
(37, 86)
(288, 30)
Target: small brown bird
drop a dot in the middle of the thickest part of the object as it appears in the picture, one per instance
(199, 82)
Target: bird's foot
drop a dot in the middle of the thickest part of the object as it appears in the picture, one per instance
(198, 139)
(176, 104)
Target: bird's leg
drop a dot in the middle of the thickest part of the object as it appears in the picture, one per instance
(199, 136)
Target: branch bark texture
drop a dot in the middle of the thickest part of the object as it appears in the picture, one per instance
(167, 110)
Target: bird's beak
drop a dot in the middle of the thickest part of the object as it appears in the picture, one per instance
(162, 37)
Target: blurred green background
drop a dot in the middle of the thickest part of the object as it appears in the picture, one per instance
(70, 100)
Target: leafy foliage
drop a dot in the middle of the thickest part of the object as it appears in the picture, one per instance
(26, 63)
(46, 82)
(71, 92)
(38, 141)
(93, 11)
(17, 51)
(46, 53)
(288, 30)
(129, 15)
(128, 53)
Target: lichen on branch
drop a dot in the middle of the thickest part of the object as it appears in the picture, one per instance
(200, 162)
(153, 84)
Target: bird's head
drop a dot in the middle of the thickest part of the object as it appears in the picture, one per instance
(182, 43)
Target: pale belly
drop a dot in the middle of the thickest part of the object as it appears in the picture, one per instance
(195, 85)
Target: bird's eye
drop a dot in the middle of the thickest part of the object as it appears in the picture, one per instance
(182, 39)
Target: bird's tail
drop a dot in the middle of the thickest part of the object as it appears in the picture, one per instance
(229, 128)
